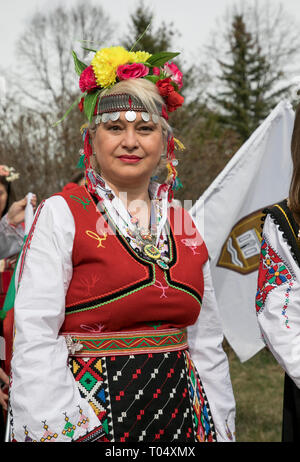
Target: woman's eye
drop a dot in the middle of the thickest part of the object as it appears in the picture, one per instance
(114, 128)
(146, 128)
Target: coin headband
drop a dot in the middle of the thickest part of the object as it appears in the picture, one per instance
(109, 108)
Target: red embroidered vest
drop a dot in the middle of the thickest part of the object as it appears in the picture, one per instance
(113, 288)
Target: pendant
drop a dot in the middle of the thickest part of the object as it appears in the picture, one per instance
(152, 251)
(163, 265)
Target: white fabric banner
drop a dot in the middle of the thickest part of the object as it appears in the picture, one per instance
(228, 215)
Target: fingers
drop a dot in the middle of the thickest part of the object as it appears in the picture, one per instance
(4, 377)
(22, 202)
(3, 399)
(33, 201)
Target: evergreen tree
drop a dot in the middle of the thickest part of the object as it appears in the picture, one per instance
(151, 41)
(248, 80)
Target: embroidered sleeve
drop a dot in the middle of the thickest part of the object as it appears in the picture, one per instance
(205, 341)
(278, 299)
(11, 238)
(45, 402)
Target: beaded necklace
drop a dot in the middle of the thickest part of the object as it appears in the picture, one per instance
(146, 239)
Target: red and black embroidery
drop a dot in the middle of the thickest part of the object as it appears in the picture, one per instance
(273, 272)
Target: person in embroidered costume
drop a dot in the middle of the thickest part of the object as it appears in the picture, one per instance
(278, 291)
(118, 336)
(12, 214)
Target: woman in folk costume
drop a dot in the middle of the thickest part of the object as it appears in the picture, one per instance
(12, 214)
(118, 336)
(278, 294)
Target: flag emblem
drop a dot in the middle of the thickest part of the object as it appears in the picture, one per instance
(241, 249)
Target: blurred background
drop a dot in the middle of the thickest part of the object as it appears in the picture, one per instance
(239, 59)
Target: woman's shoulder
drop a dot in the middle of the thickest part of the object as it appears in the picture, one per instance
(53, 213)
(280, 225)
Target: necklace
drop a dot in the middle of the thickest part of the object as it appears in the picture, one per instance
(146, 239)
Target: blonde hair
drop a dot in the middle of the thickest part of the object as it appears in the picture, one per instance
(148, 94)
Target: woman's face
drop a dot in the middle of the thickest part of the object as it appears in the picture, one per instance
(128, 152)
(3, 198)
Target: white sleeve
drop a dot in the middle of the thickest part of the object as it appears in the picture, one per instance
(44, 399)
(278, 300)
(11, 238)
(205, 341)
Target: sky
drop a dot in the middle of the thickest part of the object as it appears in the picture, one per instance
(195, 19)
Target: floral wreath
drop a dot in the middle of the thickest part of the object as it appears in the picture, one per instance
(9, 173)
(114, 64)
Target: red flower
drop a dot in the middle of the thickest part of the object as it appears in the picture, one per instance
(174, 101)
(132, 71)
(87, 81)
(164, 87)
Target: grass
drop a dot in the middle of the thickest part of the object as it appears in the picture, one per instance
(258, 390)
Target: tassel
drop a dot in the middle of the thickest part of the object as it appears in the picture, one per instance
(177, 184)
(179, 144)
(80, 163)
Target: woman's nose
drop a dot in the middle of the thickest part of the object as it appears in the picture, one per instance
(130, 140)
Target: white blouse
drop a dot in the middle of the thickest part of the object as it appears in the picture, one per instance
(279, 318)
(43, 390)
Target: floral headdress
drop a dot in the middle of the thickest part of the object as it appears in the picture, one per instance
(112, 65)
(9, 173)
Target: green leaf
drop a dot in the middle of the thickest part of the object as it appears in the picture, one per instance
(159, 59)
(89, 49)
(152, 78)
(89, 104)
(79, 65)
(76, 102)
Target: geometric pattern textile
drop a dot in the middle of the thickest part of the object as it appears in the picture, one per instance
(152, 397)
(273, 272)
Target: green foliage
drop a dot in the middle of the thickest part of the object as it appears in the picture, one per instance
(151, 41)
(249, 83)
(159, 59)
(79, 65)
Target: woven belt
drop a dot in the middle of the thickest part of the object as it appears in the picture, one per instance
(126, 343)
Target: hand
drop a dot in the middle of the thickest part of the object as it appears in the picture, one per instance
(3, 396)
(16, 212)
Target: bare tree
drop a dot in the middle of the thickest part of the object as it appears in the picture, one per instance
(46, 156)
(45, 50)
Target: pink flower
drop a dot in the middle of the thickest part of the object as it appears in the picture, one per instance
(87, 80)
(156, 71)
(172, 71)
(132, 71)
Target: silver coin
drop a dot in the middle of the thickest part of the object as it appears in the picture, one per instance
(105, 117)
(145, 116)
(114, 116)
(98, 119)
(155, 118)
(174, 162)
(130, 116)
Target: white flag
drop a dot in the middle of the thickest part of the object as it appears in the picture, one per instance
(228, 215)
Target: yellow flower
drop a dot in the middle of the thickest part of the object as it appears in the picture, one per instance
(105, 64)
(139, 56)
